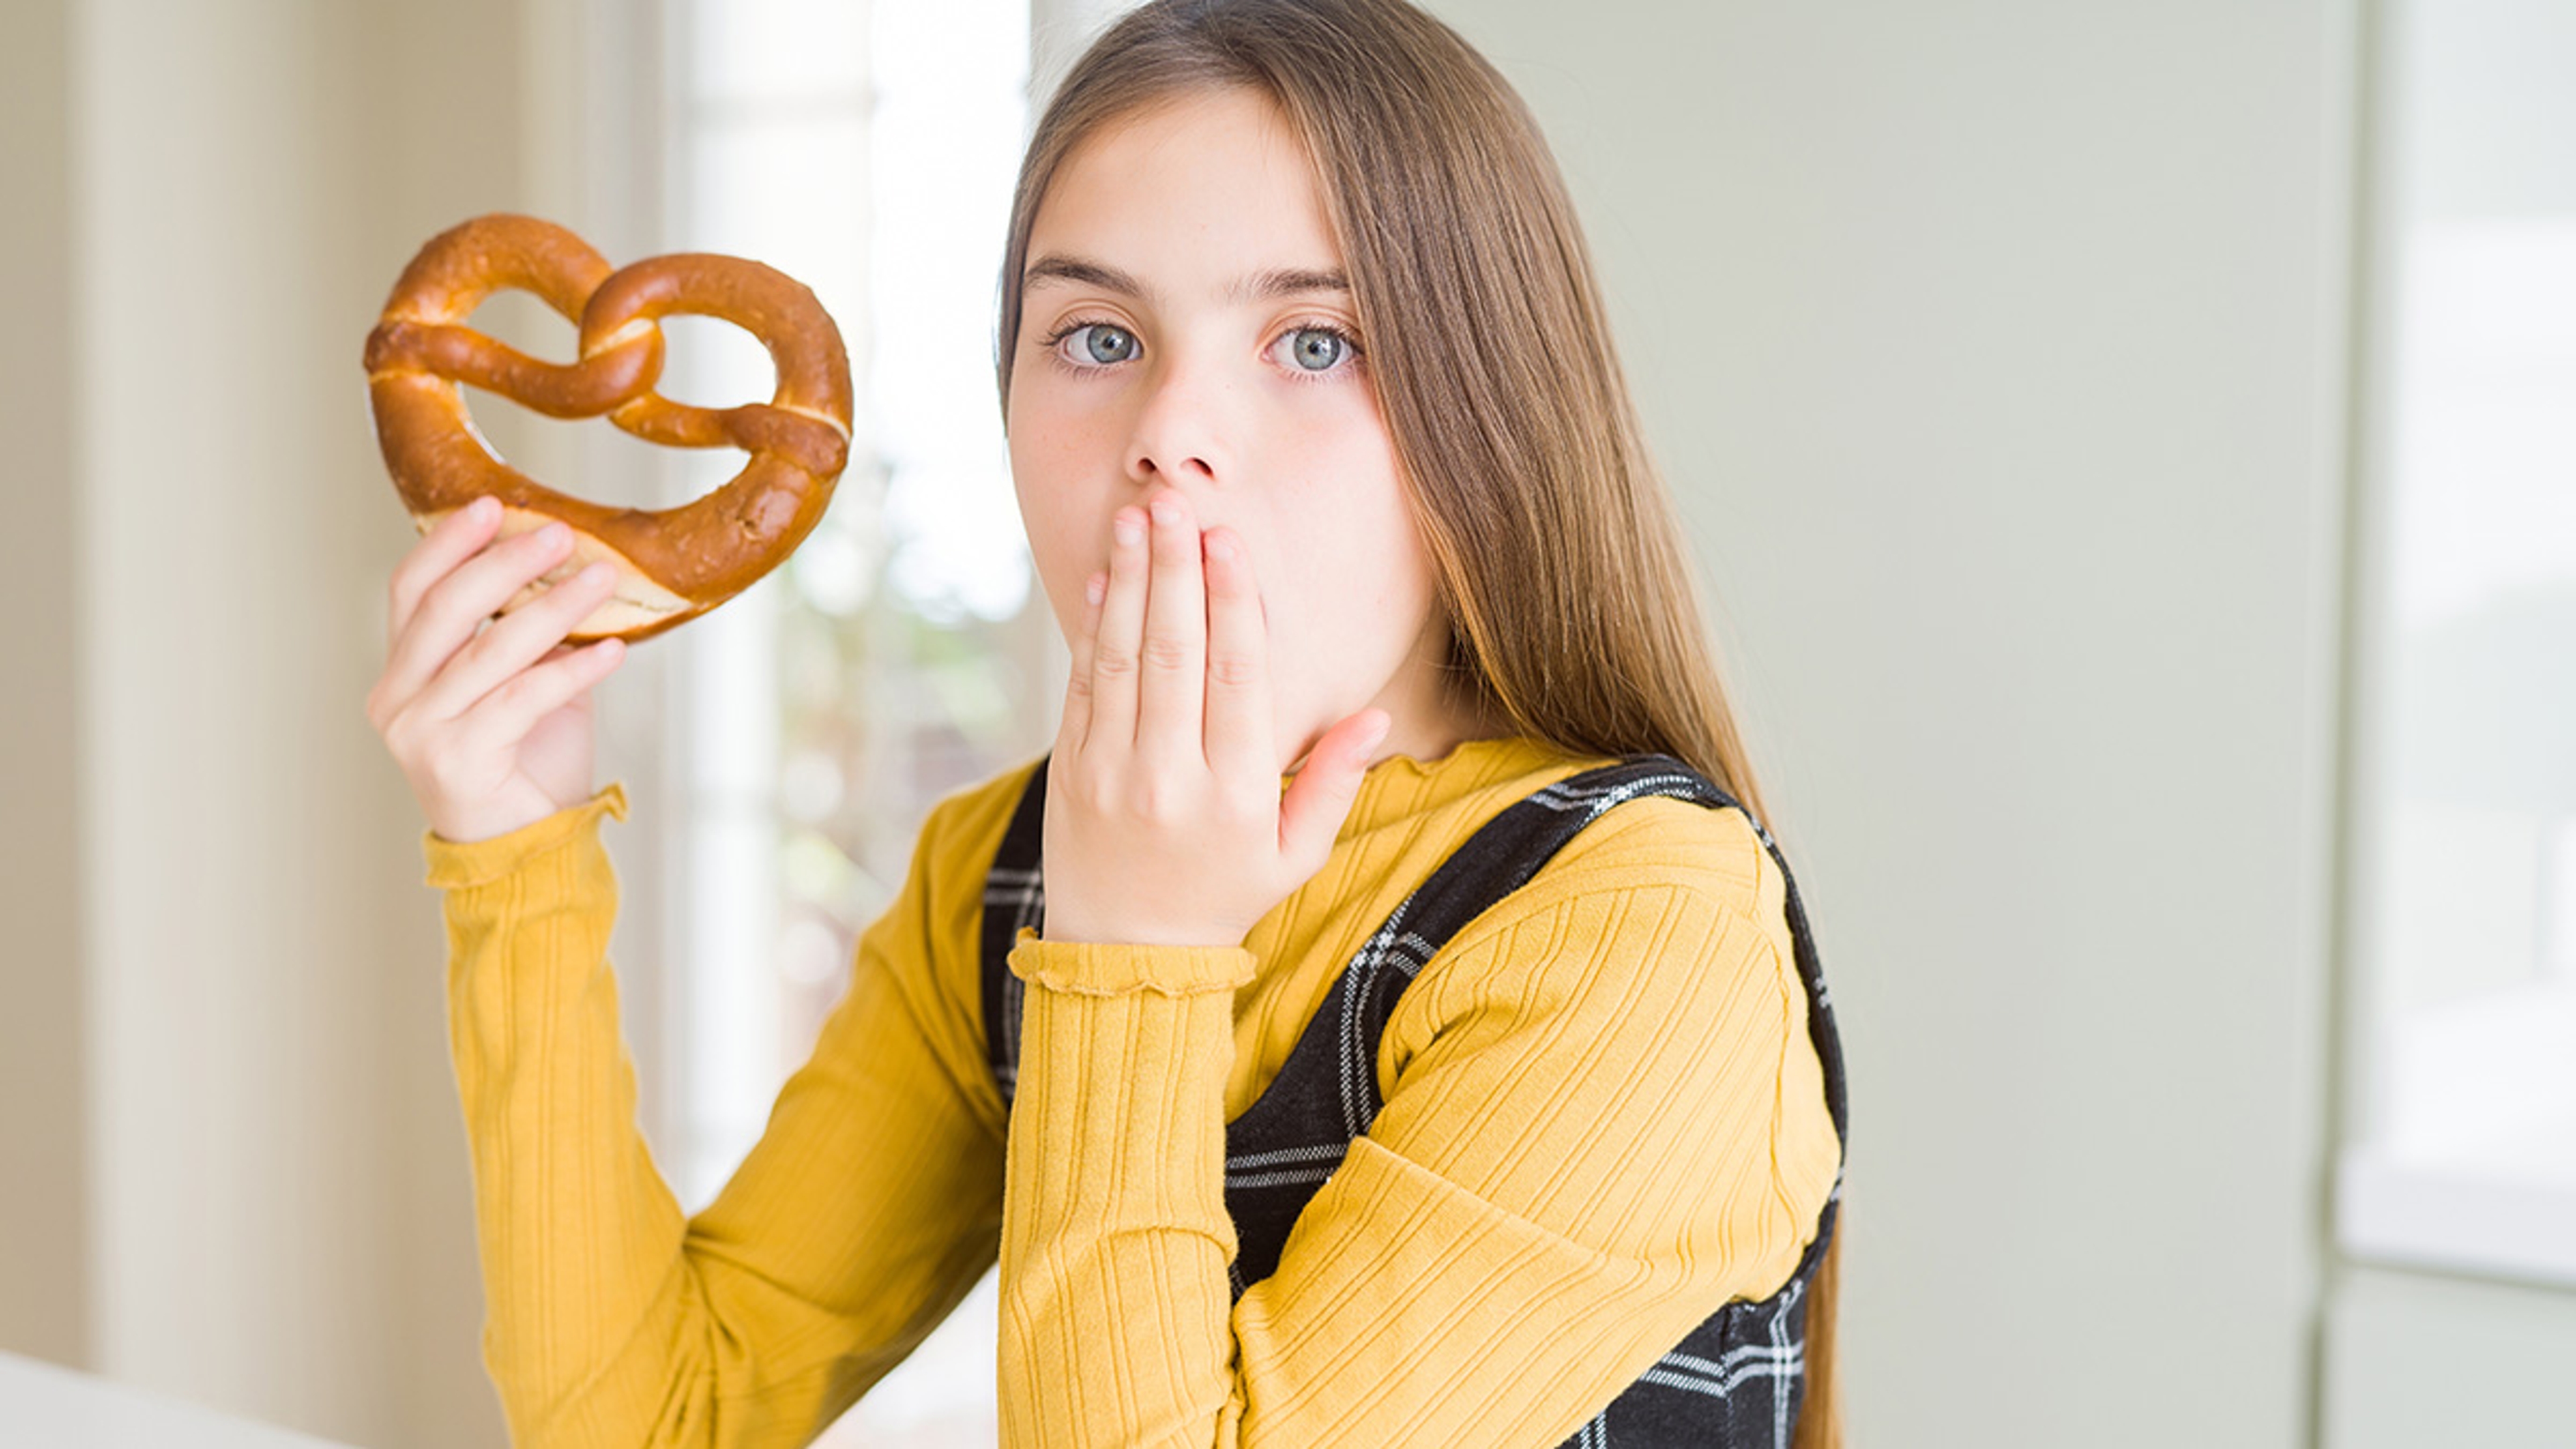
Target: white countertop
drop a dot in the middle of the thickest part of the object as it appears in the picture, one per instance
(46, 1406)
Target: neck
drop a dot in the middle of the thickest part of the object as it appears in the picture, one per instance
(1427, 735)
(1432, 715)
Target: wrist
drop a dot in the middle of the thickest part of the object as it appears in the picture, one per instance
(1141, 935)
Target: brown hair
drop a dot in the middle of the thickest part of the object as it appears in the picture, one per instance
(1572, 605)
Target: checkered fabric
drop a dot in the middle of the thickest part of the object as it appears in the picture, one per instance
(1735, 1380)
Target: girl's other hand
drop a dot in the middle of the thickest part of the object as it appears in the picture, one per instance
(492, 728)
(1165, 823)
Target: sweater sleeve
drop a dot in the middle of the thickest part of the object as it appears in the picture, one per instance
(868, 1208)
(1604, 1120)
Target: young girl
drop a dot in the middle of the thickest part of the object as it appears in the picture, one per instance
(1292, 1116)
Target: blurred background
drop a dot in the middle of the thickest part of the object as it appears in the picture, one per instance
(2132, 449)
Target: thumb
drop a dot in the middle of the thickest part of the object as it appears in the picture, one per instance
(1319, 800)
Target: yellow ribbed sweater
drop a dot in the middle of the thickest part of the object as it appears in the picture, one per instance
(1603, 1120)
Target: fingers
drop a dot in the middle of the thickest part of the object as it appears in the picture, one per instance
(439, 603)
(1172, 658)
(1120, 640)
(451, 542)
(519, 639)
(460, 666)
(507, 715)
(449, 600)
(1076, 725)
(1238, 720)
(1172, 682)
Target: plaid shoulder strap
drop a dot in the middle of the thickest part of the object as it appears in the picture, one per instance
(1014, 898)
(1735, 1379)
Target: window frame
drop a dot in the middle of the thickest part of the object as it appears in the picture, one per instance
(2474, 1209)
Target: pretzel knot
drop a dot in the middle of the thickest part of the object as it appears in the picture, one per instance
(673, 564)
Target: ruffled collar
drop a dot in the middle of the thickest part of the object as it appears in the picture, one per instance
(1400, 787)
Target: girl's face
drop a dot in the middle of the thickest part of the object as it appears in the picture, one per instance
(1186, 324)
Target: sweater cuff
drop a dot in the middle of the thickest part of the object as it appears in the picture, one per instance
(1093, 968)
(458, 864)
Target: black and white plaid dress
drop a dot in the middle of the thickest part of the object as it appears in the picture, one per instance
(1735, 1380)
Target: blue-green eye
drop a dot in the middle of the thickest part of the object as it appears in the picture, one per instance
(1317, 352)
(1107, 344)
(1317, 348)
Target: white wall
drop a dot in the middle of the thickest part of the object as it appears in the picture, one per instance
(237, 1168)
(1997, 350)
(275, 1202)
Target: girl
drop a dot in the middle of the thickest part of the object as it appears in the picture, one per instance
(1332, 1038)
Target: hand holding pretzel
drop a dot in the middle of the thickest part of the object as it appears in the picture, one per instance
(491, 724)
(491, 728)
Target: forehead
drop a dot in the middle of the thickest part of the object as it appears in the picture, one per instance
(1188, 197)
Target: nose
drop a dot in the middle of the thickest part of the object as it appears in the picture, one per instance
(1180, 428)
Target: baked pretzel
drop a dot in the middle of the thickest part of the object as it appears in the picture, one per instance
(672, 564)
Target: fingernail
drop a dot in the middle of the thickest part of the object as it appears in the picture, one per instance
(1129, 530)
(595, 573)
(1220, 546)
(1096, 588)
(553, 535)
(1165, 508)
(482, 509)
(1375, 734)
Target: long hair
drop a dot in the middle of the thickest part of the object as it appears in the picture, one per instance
(1573, 608)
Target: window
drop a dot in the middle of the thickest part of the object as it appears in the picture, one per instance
(2463, 885)
(903, 651)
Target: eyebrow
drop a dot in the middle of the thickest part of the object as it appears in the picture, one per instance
(1257, 286)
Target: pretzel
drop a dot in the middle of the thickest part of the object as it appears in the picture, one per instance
(672, 564)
